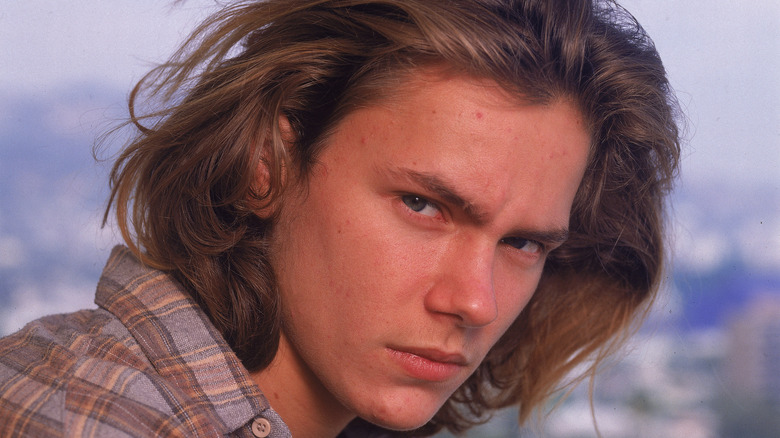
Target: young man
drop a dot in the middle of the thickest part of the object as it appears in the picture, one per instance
(357, 217)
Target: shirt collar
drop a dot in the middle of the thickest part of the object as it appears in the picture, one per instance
(178, 339)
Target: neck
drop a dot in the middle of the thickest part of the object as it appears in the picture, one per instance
(298, 396)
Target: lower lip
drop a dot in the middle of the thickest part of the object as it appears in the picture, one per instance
(425, 369)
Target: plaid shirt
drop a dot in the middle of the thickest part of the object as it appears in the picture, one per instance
(147, 362)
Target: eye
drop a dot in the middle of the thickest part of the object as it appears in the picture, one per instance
(528, 246)
(420, 205)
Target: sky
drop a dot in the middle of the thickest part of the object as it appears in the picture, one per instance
(721, 57)
(46, 44)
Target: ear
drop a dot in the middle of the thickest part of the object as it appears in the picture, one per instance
(286, 130)
(270, 176)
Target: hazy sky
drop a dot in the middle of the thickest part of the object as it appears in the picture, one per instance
(722, 57)
(46, 43)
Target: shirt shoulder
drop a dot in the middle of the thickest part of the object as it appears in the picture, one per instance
(80, 374)
(147, 362)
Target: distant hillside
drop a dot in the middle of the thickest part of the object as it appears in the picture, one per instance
(709, 298)
(51, 193)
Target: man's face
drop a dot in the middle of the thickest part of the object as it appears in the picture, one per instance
(421, 237)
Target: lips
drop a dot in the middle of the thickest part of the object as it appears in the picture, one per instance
(428, 364)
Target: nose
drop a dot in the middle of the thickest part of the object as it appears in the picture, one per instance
(464, 286)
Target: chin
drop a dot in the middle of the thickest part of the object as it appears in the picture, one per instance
(401, 414)
(399, 424)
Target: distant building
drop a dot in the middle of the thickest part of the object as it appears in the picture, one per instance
(752, 361)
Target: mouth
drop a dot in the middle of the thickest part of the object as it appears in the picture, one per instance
(428, 364)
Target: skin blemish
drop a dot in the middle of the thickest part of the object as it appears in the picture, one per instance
(557, 154)
(479, 115)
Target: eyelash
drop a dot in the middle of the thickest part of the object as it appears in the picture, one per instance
(414, 199)
(515, 242)
(540, 248)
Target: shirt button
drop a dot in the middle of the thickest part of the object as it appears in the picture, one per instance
(261, 427)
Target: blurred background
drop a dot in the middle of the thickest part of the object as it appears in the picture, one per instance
(706, 364)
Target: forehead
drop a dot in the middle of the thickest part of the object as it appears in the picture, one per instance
(470, 135)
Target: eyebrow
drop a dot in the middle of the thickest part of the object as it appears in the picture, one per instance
(475, 214)
(440, 188)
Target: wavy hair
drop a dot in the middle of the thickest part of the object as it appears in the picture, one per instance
(186, 200)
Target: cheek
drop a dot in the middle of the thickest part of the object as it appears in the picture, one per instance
(367, 242)
(350, 253)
